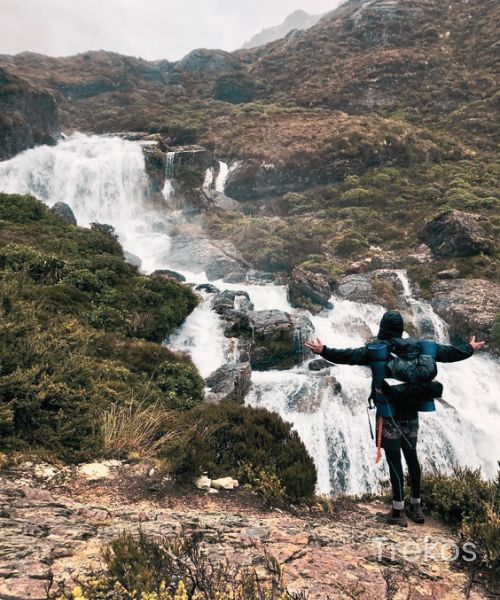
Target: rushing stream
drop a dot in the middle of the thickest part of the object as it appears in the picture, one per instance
(103, 179)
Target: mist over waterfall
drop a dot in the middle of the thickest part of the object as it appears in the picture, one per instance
(103, 179)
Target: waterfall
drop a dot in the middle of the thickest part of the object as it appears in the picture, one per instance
(103, 179)
(168, 188)
(220, 182)
(335, 427)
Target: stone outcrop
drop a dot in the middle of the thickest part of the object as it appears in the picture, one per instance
(469, 306)
(64, 211)
(357, 288)
(60, 528)
(308, 290)
(456, 233)
(155, 162)
(268, 339)
(274, 340)
(168, 274)
(202, 60)
(230, 383)
(28, 115)
(319, 364)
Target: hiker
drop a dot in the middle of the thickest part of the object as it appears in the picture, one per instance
(399, 432)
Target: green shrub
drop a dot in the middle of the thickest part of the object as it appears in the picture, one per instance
(62, 288)
(181, 385)
(20, 209)
(351, 244)
(467, 500)
(227, 437)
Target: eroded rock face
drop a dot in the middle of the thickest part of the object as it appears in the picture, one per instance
(308, 290)
(469, 306)
(65, 212)
(456, 233)
(230, 383)
(28, 116)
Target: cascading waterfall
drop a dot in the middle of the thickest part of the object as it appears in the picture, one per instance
(220, 182)
(103, 179)
(168, 188)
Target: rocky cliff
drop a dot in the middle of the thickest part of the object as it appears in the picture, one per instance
(28, 115)
(55, 523)
(297, 21)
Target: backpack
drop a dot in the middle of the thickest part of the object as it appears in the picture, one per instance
(410, 364)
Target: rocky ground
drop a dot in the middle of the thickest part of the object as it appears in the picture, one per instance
(55, 522)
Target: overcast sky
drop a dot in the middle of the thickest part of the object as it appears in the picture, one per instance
(150, 29)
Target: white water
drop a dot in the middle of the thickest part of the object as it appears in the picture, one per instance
(103, 179)
(168, 188)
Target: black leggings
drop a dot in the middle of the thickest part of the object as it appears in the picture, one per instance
(396, 472)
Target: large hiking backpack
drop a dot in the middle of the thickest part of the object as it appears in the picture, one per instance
(410, 364)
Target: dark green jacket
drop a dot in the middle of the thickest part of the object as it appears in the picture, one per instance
(359, 356)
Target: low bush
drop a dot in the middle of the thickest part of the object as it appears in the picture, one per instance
(465, 499)
(71, 314)
(228, 437)
(140, 568)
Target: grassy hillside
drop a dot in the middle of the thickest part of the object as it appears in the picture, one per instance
(80, 331)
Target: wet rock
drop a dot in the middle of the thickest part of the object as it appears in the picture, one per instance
(208, 288)
(230, 300)
(236, 276)
(155, 162)
(230, 382)
(318, 364)
(456, 233)
(64, 211)
(356, 287)
(308, 290)
(274, 340)
(168, 274)
(132, 259)
(469, 306)
(448, 274)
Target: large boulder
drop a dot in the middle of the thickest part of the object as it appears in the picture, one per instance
(357, 288)
(64, 211)
(308, 290)
(229, 383)
(227, 301)
(456, 233)
(276, 340)
(469, 306)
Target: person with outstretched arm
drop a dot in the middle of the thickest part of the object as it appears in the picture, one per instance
(398, 433)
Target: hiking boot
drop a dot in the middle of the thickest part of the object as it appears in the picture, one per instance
(414, 511)
(396, 517)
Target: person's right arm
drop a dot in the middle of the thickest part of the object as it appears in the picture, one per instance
(344, 356)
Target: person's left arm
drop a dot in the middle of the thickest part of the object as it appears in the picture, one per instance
(448, 354)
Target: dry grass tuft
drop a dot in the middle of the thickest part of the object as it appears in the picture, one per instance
(137, 428)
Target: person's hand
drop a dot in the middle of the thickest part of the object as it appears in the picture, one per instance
(476, 345)
(315, 347)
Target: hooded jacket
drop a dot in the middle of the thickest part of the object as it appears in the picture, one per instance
(359, 356)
